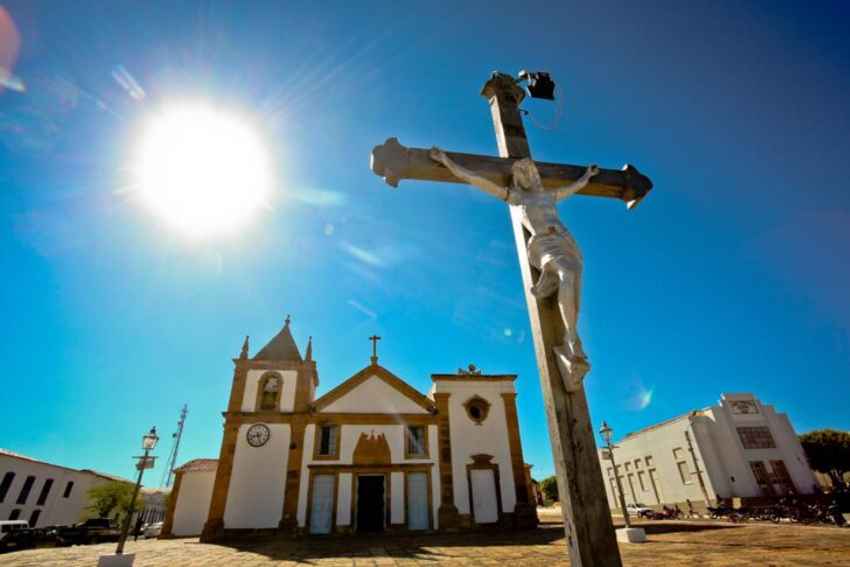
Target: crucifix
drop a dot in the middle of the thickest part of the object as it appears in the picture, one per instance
(374, 339)
(551, 266)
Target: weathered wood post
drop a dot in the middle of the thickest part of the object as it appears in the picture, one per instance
(587, 518)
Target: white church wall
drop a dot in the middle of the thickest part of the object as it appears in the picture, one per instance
(309, 436)
(193, 503)
(343, 504)
(257, 484)
(469, 438)
(374, 396)
(287, 395)
(397, 504)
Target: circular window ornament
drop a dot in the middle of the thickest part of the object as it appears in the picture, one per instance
(258, 435)
(477, 409)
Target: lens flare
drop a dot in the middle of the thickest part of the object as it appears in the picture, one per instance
(202, 170)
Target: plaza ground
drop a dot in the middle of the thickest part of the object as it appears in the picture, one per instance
(678, 543)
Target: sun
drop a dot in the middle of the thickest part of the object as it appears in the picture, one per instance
(204, 170)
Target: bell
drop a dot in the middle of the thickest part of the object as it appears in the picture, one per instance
(540, 85)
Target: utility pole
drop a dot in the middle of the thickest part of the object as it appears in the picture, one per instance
(171, 464)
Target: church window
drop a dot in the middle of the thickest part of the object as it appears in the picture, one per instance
(45, 491)
(68, 488)
(269, 393)
(477, 409)
(328, 440)
(6, 484)
(756, 438)
(25, 490)
(417, 441)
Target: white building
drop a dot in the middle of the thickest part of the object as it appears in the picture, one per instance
(372, 454)
(43, 493)
(738, 448)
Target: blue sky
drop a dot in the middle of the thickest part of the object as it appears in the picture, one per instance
(731, 276)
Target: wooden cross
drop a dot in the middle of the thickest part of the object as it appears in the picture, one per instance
(374, 339)
(587, 518)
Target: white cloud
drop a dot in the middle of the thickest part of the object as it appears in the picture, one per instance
(319, 197)
(363, 255)
(362, 308)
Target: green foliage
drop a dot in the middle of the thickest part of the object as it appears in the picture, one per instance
(549, 487)
(828, 451)
(112, 499)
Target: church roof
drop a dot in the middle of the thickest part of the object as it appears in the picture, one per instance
(281, 347)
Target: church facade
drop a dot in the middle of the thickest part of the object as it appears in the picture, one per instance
(371, 455)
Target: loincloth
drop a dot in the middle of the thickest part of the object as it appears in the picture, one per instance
(550, 246)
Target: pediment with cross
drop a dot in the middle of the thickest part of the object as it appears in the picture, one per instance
(374, 390)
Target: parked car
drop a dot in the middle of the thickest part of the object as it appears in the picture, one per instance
(93, 530)
(15, 534)
(639, 510)
(152, 530)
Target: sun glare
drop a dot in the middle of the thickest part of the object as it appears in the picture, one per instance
(202, 170)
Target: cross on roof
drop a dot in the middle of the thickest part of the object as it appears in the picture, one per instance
(374, 339)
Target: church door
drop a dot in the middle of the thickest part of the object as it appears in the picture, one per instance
(321, 505)
(417, 501)
(484, 503)
(370, 503)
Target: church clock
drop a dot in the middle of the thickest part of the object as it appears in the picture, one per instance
(258, 435)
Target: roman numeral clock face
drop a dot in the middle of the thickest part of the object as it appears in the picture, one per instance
(258, 435)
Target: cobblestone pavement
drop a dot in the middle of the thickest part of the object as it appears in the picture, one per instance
(671, 544)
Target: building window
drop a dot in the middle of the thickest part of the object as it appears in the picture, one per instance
(270, 387)
(477, 409)
(25, 490)
(68, 488)
(756, 438)
(328, 440)
(637, 464)
(648, 461)
(16, 513)
(4, 486)
(45, 492)
(682, 465)
(782, 477)
(628, 466)
(641, 481)
(417, 441)
(34, 517)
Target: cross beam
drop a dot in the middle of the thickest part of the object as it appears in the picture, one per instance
(394, 162)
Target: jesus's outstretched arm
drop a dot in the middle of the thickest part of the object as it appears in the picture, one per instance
(468, 176)
(577, 185)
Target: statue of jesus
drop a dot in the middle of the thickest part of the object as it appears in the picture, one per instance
(551, 248)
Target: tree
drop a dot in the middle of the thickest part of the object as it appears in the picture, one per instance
(112, 498)
(828, 452)
(549, 487)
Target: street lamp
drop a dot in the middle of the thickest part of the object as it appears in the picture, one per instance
(145, 462)
(607, 433)
(627, 534)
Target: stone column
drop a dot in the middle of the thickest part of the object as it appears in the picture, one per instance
(525, 514)
(448, 513)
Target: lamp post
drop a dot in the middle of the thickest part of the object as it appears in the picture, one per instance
(607, 433)
(148, 444)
